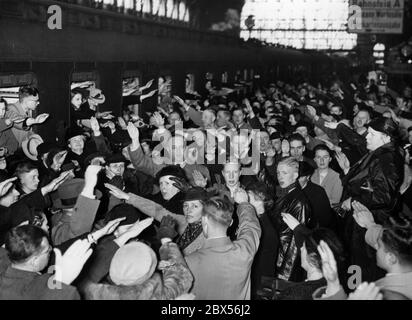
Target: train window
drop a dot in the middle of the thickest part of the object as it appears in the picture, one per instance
(131, 94)
(86, 83)
(81, 91)
(11, 94)
(238, 76)
(83, 76)
(190, 83)
(165, 87)
(225, 77)
(11, 83)
(82, 84)
(245, 75)
(209, 81)
(130, 86)
(131, 82)
(83, 87)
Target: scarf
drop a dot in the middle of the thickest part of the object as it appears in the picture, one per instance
(192, 231)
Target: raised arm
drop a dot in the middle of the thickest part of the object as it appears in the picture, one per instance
(81, 219)
(139, 159)
(97, 137)
(352, 138)
(194, 115)
(364, 218)
(299, 230)
(249, 230)
(148, 207)
(13, 113)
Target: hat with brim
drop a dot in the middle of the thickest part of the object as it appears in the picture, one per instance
(93, 155)
(196, 193)
(115, 158)
(275, 135)
(124, 210)
(74, 132)
(384, 125)
(96, 95)
(66, 195)
(46, 147)
(30, 144)
(171, 170)
(120, 139)
(23, 212)
(303, 124)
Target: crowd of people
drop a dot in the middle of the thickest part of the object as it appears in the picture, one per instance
(283, 191)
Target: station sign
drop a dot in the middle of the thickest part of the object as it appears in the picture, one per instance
(376, 16)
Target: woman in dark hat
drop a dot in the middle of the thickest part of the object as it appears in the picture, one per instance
(374, 181)
(76, 138)
(192, 238)
(171, 180)
(118, 174)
